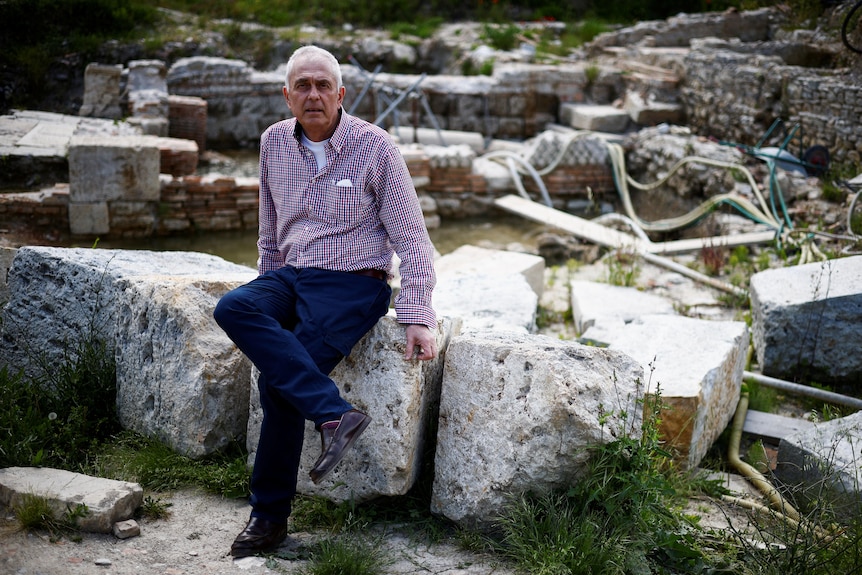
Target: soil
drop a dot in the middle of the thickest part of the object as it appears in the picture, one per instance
(195, 540)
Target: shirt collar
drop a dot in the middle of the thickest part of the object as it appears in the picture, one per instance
(339, 136)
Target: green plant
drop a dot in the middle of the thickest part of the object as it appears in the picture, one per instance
(622, 268)
(343, 556)
(154, 508)
(592, 72)
(501, 37)
(132, 457)
(487, 67)
(35, 513)
(421, 28)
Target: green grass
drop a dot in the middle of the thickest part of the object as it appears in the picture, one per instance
(34, 513)
(346, 556)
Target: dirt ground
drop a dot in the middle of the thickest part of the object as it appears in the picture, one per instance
(195, 539)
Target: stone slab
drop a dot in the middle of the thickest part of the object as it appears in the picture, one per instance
(519, 413)
(600, 305)
(402, 398)
(488, 303)
(179, 377)
(696, 366)
(475, 261)
(594, 117)
(108, 501)
(822, 463)
(805, 321)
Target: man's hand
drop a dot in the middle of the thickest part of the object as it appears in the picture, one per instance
(421, 343)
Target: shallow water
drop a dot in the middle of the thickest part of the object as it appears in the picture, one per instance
(241, 246)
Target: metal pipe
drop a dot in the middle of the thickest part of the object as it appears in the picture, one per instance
(809, 391)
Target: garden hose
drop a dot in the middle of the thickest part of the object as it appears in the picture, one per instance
(747, 470)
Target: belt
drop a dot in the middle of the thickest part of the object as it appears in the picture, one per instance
(379, 274)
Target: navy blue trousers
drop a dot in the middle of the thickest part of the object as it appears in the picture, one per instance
(296, 325)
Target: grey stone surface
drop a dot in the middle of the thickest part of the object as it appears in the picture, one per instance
(602, 305)
(476, 261)
(805, 319)
(696, 366)
(490, 303)
(105, 168)
(402, 399)
(823, 464)
(178, 376)
(102, 91)
(108, 501)
(518, 413)
(595, 117)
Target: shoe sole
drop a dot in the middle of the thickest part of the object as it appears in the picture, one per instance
(318, 477)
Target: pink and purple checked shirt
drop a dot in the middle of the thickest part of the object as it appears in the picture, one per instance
(349, 216)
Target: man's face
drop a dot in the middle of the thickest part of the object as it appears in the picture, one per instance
(314, 98)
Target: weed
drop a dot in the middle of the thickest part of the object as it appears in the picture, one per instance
(713, 259)
(35, 513)
(132, 457)
(154, 508)
(343, 556)
(501, 37)
(622, 268)
(487, 67)
(592, 73)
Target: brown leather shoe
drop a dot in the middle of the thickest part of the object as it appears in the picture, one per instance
(259, 536)
(336, 437)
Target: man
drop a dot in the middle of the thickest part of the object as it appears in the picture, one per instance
(335, 201)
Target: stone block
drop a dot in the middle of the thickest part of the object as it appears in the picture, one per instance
(805, 321)
(822, 464)
(695, 365)
(487, 302)
(179, 378)
(108, 501)
(475, 261)
(103, 168)
(519, 413)
(102, 91)
(594, 117)
(402, 399)
(601, 305)
(89, 219)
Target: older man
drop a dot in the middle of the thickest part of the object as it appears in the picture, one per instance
(336, 201)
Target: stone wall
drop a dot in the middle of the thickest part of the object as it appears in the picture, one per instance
(736, 96)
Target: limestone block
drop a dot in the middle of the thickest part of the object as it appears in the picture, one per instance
(488, 303)
(650, 113)
(147, 75)
(102, 91)
(107, 500)
(178, 376)
(594, 117)
(105, 168)
(600, 305)
(805, 320)
(402, 399)
(518, 413)
(696, 366)
(822, 463)
(89, 218)
(475, 261)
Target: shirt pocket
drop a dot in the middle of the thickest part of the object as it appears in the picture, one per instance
(344, 203)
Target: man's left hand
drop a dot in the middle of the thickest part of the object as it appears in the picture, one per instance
(421, 343)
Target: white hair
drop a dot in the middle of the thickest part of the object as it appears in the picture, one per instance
(313, 53)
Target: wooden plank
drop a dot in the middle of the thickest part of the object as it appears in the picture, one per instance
(771, 426)
(602, 235)
(584, 229)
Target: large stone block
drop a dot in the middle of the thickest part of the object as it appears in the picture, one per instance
(179, 377)
(102, 91)
(105, 168)
(475, 261)
(518, 413)
(694, 365)
(805, 321)
(402, 399)
(488, 303)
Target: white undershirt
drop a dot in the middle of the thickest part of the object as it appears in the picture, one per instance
(318, 149)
